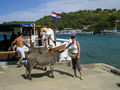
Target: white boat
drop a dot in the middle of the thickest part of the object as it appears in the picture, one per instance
(110, 32)
(66, 32)
(30, 34)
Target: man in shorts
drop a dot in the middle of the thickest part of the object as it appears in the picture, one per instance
(19, 42)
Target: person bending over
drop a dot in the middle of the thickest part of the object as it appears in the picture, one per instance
(46, 31)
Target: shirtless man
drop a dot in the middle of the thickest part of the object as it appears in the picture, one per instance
(47, 35)
(19, 42)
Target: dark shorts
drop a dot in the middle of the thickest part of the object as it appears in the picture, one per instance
(76, 63)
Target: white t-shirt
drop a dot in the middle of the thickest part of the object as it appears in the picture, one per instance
(74, 47)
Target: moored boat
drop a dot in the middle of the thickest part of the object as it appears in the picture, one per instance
(30, 34)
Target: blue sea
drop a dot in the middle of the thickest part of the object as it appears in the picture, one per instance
(98, 48)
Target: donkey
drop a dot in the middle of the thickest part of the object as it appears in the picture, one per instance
(42, 60)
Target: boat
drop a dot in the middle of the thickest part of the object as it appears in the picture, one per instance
(110, 32)
(66, 32)
(30, 34)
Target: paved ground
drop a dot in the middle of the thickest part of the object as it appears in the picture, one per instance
(96, 77)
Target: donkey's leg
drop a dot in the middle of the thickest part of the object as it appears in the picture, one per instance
(52, 68)
(32, 64)
(27, 71)
(1, 69)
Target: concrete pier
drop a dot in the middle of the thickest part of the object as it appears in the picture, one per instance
(96, 77)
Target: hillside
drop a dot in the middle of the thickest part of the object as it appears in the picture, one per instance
(90, 20)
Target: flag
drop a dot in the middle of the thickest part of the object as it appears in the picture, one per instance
(56, 15)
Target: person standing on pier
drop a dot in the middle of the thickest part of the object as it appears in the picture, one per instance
(75, 55)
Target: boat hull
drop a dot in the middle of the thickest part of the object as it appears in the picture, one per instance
(9, 57)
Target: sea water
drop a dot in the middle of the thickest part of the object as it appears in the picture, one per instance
(98, 48)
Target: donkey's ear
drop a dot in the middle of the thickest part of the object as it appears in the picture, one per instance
(32, 44)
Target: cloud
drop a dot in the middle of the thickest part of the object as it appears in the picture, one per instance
(59, 6)
(18, 16)
(104, 4)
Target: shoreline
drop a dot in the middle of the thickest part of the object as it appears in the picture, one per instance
(104, 66)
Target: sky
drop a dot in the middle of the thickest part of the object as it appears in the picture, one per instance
(32, 10)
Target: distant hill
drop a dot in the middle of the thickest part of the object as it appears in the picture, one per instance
(90, 20)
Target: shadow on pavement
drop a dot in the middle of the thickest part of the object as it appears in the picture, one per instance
(47, 73)
(118, 84)
(62, 72)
